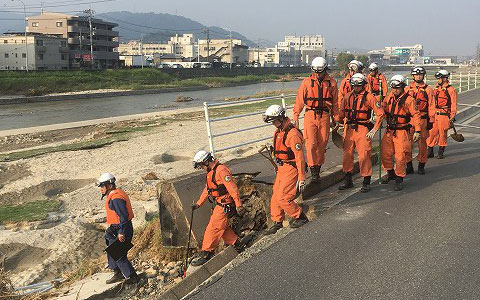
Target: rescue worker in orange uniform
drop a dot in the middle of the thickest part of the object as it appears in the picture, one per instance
(356, 111)
(445, 97)
(119, 218)
(374, 78)
(401, 113)
(223, 192)
(288, 152)
(318, 94)
(423, 95)
(354, 67)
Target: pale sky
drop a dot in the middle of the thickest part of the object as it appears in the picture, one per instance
(444, 27)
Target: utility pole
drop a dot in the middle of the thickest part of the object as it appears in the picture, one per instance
(90, 12)
(80, 37)
(141, 48)
(231, 50)
(208, 43)
(26, 42)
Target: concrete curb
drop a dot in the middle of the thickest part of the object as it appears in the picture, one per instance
(330, 177)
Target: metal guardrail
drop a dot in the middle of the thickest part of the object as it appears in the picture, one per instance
(209, 121)
(463, 82)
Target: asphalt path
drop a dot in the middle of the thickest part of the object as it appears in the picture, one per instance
(420, 243)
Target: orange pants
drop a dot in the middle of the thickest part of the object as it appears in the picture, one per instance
(439, 132)
(422, 156)
(395, 144)
(357, 139)
(317, 133)
(218, 228)
(284, 191)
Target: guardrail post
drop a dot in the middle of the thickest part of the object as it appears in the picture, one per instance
(460, 84)
(476, 74)
(284, 104)
(209, 129)
(468, 81)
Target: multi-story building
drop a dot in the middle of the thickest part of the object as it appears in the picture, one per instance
(224, 50)
(45, 52)
(399, 54)
(303, 48)
(272, 57)
(76, 29)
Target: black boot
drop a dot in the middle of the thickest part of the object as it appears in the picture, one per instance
(134, 278)
(440, 152)
(421, 168)
(389, 176)
(239, 246)
(302, 220)
(430, 152)
(117, 277)
(347, 182)
(203, 258)
(315, 170)
(398, 184)
(366, 184)
(410, 169)
(275, 227)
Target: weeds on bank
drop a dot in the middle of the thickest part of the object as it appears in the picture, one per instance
(28, 212)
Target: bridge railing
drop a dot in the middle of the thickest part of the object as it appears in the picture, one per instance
(461, 81)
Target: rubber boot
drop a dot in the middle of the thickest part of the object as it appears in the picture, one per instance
(204, 257)
(398, 184)
(275, 227)
(440, 152)
(302, 220)
(117, 277)
(315, 170)
(430, 152)
(347, 182)
(239, 246)
(389, 176)
(134, 278)
(410, 169)
(421, 168)
(366, 184)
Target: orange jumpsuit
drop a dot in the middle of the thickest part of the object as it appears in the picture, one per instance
(345, 88)
(356, 111)
(374, 85)
(318, 98)
(220, 185)
(288, 151)
(445, 98)
(423, 95)
(398, 112)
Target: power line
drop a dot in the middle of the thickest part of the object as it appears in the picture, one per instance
(62, 5)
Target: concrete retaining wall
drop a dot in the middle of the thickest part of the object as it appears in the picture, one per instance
(226, 72)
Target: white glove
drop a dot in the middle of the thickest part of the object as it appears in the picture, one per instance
(334, 125)
(301, 186)
(416, 136)
(371, 134)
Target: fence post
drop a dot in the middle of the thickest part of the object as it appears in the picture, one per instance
(468, 81)
(476, 74)
(460, 84)
(209, 129)
(284, 104)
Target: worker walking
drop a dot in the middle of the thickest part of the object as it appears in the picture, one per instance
(288, 152)
(356, 111)
(354, 67)
(318, 94)
(445, 97)
(119, 218)
(221, 191)
(401, 113)
(374, 79)
(423, 95)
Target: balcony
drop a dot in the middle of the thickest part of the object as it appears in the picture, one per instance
(64, 49)
(100, 32)
(41, 48)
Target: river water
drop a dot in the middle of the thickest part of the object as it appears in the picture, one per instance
(54, 112)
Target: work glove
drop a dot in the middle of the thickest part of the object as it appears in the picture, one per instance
(301, 186)
(334, 124)
(416, 136)
(371, 134)
(240, 210)
(195, 206)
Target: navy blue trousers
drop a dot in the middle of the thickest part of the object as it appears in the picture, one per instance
(123, 264)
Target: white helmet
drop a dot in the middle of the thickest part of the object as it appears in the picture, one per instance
(442, 73)
(373, 67)
(355, 66)
(397, 81)
(319, 64)
(202, 158)
(105, 178)
(274, 112)
(358, 79)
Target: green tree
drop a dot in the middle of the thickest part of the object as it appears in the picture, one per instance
(363, 59)
(343, 59)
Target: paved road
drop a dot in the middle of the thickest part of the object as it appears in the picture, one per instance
(421, 243)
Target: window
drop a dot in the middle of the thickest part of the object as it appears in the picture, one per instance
(40, 56)
(16, 55)
(34, 24)
(64, 57)
(59, 24)
(5, 41)
(24, 55)
(6, 55)
(39, 42)
(63, 44)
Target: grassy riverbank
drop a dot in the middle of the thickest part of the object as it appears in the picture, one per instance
(42, 83)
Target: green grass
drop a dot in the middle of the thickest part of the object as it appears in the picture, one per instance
(28, 212)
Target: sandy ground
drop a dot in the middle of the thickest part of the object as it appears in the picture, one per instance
(167, 151)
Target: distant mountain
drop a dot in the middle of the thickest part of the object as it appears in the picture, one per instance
(158, 27)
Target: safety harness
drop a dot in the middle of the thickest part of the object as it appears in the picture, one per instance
(352, 113)
(283, 153)
(393, 118)
(217, 190)
(317, 104)
(448, 105)
(421, 102)
(375, 84)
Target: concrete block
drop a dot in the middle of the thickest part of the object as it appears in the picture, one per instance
(220, 260)
(168, 295)
(190, 283)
